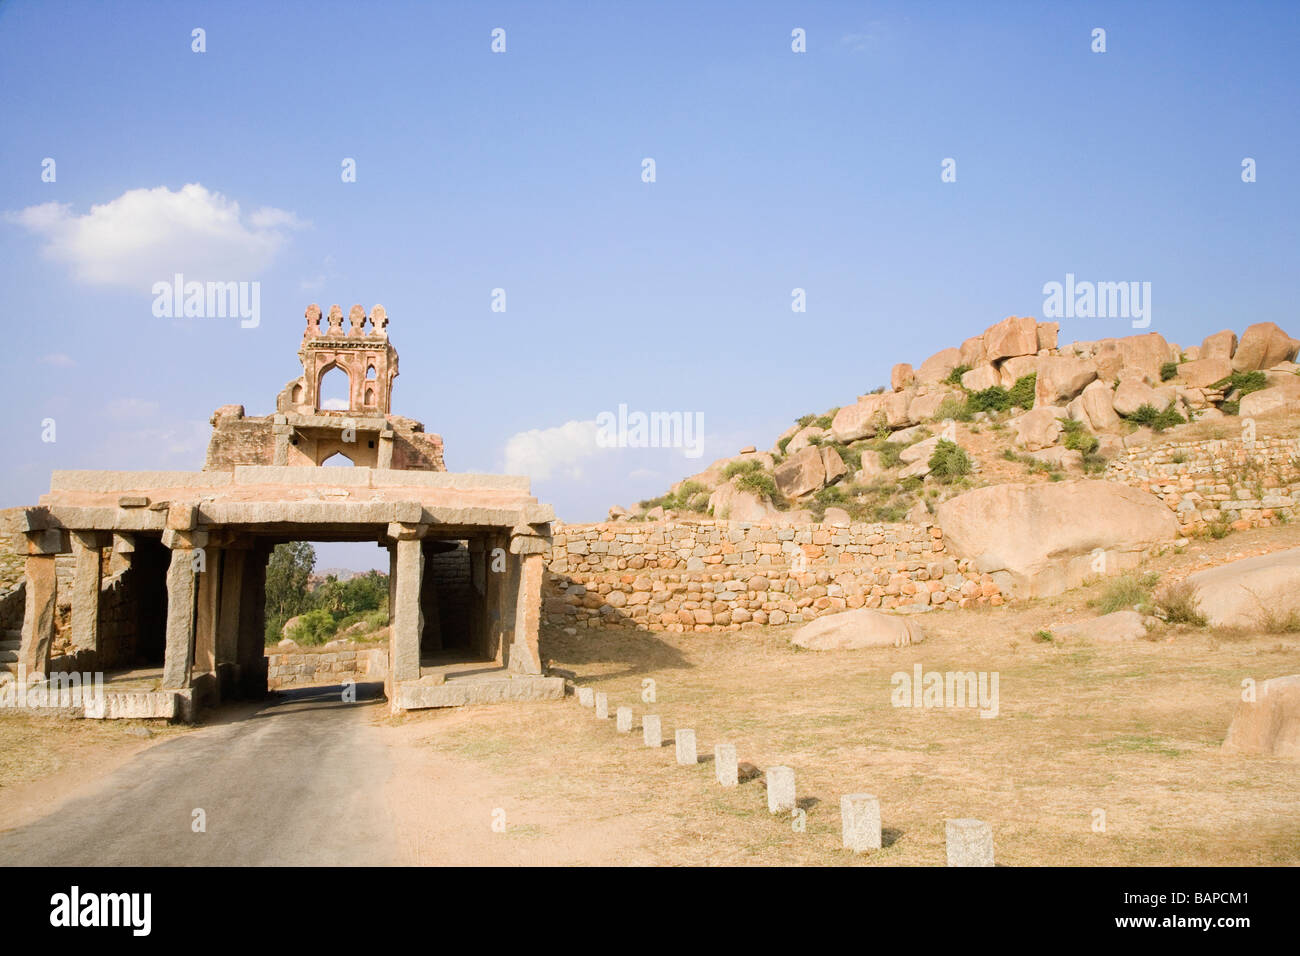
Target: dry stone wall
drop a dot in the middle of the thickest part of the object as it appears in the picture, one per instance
(711, 575)
(1240, 482)
(301, 668)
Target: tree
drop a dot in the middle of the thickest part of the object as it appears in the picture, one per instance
(286, 584)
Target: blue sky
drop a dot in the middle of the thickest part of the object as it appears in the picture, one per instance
(522, 171)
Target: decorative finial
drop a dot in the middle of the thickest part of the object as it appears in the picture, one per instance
(313, 321)
(379, 321)
(357, 321)
(335, 320)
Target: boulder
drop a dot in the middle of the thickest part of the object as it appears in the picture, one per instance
(1145, 352)
(1014, 369)
(972, 352)
(1061, 377)
(837, 517)
(1040, 539)
(980, 378)
(1270, 724)
(858, 420)
(736, 504)
(852, 630)
(921, 451)
(1219, 345)
(1099, 404)
(1262, 346)
(1204, 372)
(801, 439)
(1048, 332)
(917, 469)
(1251, 592)
(1011, 337)
(895, 408)
(926, 407)
(871, 466)
(1132, 394)
(1283, 398)
(801, 473)
(901, 376)
(1038, 428)
(1108, 629)
(938, 366)
(832, 465)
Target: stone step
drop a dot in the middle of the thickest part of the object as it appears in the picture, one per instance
(10, 634)
(8, 657)
(10, 645)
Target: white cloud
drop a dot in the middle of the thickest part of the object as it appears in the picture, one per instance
(58, 360)
(146, 235)
(336, 404)
(541, 452)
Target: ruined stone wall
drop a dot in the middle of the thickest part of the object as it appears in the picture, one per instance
(717, 575)
(240, 441)
(418, 451)
(1245, 484)
(303, 668)
(449, 573)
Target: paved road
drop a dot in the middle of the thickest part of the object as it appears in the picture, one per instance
(297, 782)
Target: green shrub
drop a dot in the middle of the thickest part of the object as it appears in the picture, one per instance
(954, 377)
(852, 457)
(1230, 408)
(1157, 420)
(759, 482)
(1243, 382)
(992, 399)
(741, 468)
(1077, 437)
(1168, 370)
(955, 408)
(1021, 394)
(803, 421)
(1127, 591)
(824, 421)
(949, 462)
(780, 446)
(314, 627)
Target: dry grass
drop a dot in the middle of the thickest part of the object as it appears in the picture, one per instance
(1132, 729)
(36, 747)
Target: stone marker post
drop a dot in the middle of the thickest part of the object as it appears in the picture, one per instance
(860, 822)
(725, 766)
(652, 733)
(970, 842)
(586, 696)
(624, 720)
(686, 755)
(602, 705)
(780, 790)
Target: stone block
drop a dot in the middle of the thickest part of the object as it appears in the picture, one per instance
(860, 822)
(725, 767)
(623, 720)
(970, 842)
(652, 734)
(686, 755)
(602, 705)
(586, 697)
(780, 790)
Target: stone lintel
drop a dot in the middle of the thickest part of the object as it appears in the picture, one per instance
(50, 541)
(133, 501)
(32, 519)
(123, 543)
(91, 540)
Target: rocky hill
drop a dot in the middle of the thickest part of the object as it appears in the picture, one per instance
(1009, 404)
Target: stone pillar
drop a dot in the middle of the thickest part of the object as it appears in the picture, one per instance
(498, 603)
(86, 581)
(282, 432)
(384, 457)
(38, 611)
(407, 621)
(181, 593)
(523, 655)
(208, 598)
